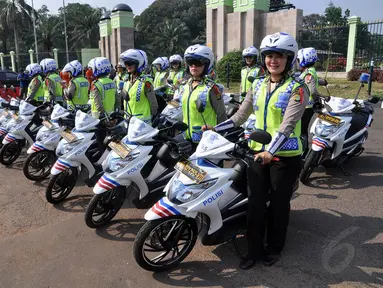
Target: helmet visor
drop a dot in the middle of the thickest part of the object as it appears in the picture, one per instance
(195, 62)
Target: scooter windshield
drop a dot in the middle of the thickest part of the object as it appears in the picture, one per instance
(139, 131)
(340, 105)
(59, 112)
(26, 108)
(213, 144)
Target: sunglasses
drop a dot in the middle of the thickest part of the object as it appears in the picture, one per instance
(195, 62)
(130, 63)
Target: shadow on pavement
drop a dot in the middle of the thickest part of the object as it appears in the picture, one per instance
(365, 171)
(323, 249)
(121, 230)
(17, 165)
(74, 204)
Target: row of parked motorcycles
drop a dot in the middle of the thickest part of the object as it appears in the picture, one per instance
(191, 194)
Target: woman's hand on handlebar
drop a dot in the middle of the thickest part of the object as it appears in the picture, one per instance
(265, 157)
(207, 127)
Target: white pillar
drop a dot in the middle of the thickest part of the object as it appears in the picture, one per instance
(55, 55)
(30, 51)
(13, 60)
(2, 60)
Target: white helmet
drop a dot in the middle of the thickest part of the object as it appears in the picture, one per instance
(250, 52)
(201, 53)
(137, 56)
(48, 65)
(175, 58)
(100, 66)
(283, 43)
(307, 56)
(33, 69)
(74, 67)
(163, 61)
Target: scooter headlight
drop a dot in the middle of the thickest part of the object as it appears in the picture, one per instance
(324, 130)
(41, 137)
(187, 193)
(115, 164)
(65, 147)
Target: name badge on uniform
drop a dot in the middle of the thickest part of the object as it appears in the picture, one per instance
(283, 100)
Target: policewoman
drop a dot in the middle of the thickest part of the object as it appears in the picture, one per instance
(199, 60)
(53, 90)
(76, 94)
(35, 88)
(250, 57)
(278, 102)
(307, 57)
(103, 93)
(138, 92)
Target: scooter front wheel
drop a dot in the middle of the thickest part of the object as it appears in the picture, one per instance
(38, 165)
(103, 207)
(310, 163)
(60, 185)
(162, 244)
(9, 153)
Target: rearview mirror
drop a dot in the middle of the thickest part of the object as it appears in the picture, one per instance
(260, 136)
(199, 105)
(180, 126)
(251, 79)
(373, 99)
(322, 82)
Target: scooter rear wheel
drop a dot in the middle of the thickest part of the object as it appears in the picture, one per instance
(9, 153)
(103, 207)
(60, 185)
(38, 165)
(168, 241)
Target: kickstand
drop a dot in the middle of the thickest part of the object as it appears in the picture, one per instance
(345, 173)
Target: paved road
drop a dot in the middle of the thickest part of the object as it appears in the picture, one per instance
(335, 237)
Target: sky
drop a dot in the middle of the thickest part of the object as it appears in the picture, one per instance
(368, 10)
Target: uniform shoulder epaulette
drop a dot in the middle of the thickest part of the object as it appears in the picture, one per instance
(209, 82)
(299, 80)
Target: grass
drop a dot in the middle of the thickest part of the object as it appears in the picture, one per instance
(336, 88)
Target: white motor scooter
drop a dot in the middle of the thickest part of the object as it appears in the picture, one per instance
(7, 120)
(42, 154)
(140, 163)
(339, 132)
(78, 148)
(28, 123)
(200, 187)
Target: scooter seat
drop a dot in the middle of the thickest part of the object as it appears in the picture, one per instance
(358, 122)
(367, 109)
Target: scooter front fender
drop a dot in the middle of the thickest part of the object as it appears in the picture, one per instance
(164, 208)
(61, 165)
(319, 144)
(36, 147)
(107, 183)
(9, 138)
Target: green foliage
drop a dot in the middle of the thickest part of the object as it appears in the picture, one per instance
(234, 58)
(170, 26)
(354, 74)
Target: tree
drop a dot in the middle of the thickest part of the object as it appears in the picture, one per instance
(16, 13)
(149, 26)
(172, 38)
(274, 3)
(82, 25)
(313, 20)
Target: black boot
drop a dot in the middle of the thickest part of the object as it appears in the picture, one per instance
(247, 262)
